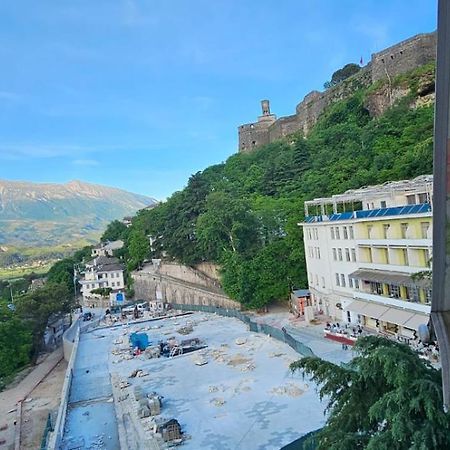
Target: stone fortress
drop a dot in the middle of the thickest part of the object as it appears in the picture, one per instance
(384, 65)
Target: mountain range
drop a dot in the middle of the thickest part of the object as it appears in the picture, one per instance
(47, 214)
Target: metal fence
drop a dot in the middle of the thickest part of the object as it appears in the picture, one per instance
(254, 326)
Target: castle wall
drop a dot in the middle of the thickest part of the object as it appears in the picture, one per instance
(403, 57)
(252, 135)
(393, 61)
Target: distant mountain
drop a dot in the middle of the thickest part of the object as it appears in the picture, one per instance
(35, 214)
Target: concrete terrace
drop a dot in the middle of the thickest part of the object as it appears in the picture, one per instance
(245, 397)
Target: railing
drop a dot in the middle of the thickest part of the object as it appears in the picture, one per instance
(254, 326)
(55, 438)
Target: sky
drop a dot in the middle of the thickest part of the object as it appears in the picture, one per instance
(140, 94)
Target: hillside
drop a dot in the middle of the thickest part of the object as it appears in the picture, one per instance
(243, 214)
(59, 217)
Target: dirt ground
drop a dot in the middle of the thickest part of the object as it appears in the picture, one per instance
(44, 399)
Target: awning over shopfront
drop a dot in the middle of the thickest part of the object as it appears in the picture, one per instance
(397, 316)
(395, 278)
(357, 307)
(416, 320)
(386, 313)
(374, 310)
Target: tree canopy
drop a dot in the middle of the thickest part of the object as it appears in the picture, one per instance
(243, 214)
(386, 398)
(342, 74)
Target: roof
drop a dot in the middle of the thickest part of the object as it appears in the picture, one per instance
(105, 264)
(301, 292)
(383, 276)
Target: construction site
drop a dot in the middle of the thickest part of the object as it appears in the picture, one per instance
(193, 379)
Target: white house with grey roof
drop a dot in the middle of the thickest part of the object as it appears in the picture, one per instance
(102, 272)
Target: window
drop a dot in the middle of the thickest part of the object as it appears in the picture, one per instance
(318, 252)
(342, 280)
(356, 283)
(353, 254)
(404, 230)
(113, 284)
(340, 254)
(423, 198)
(411, 199)
(334, 254)
(424, 226)
(344, 230)
(338, 283)
(427, 257)
(369, 231)
(347, 254)
(350, 229)
(316, 234)
(405, 256)
(337, 233)
(383, 204)
(386, 227)
(350, 282)
(369, 255)
(332, 232)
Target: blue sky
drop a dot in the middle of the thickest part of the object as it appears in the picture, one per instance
(140, 94)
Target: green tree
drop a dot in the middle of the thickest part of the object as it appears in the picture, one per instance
(36, 307)
(114, 231)
(342, 74)
(62, 272)
(15, 343)
(386, 398)
(138, 248)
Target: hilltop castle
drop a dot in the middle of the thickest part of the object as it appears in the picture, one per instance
(386, 64)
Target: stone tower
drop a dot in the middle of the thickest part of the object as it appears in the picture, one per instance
(254, 134)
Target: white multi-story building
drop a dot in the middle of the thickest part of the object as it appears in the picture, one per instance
(363, 249)
(102, 272)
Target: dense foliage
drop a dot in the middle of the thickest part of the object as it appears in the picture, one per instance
(243, 214)
(386, 398)
(342, 74)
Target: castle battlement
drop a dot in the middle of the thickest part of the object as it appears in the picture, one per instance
(386, 64)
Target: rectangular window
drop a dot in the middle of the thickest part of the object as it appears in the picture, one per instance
(318, 252)
(337, 279)
(342, 280)
(369, 231)
(411, 199)
(344, 230)
(340, 254)
(424, 226)
(332, 232)
(350, 229)
(405, 256)
(113, 284)
(316, 234)
(337, 233)
(404, 230)
(423, 198)
(334, 254)
(356, 282)
(350, 282)
(383, 204)
(353, 255)
(386, 227)
(347, 254)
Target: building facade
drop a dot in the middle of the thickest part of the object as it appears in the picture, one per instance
(102, 272)
(368, 255)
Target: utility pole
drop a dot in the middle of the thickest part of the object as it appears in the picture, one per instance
(440, 305)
